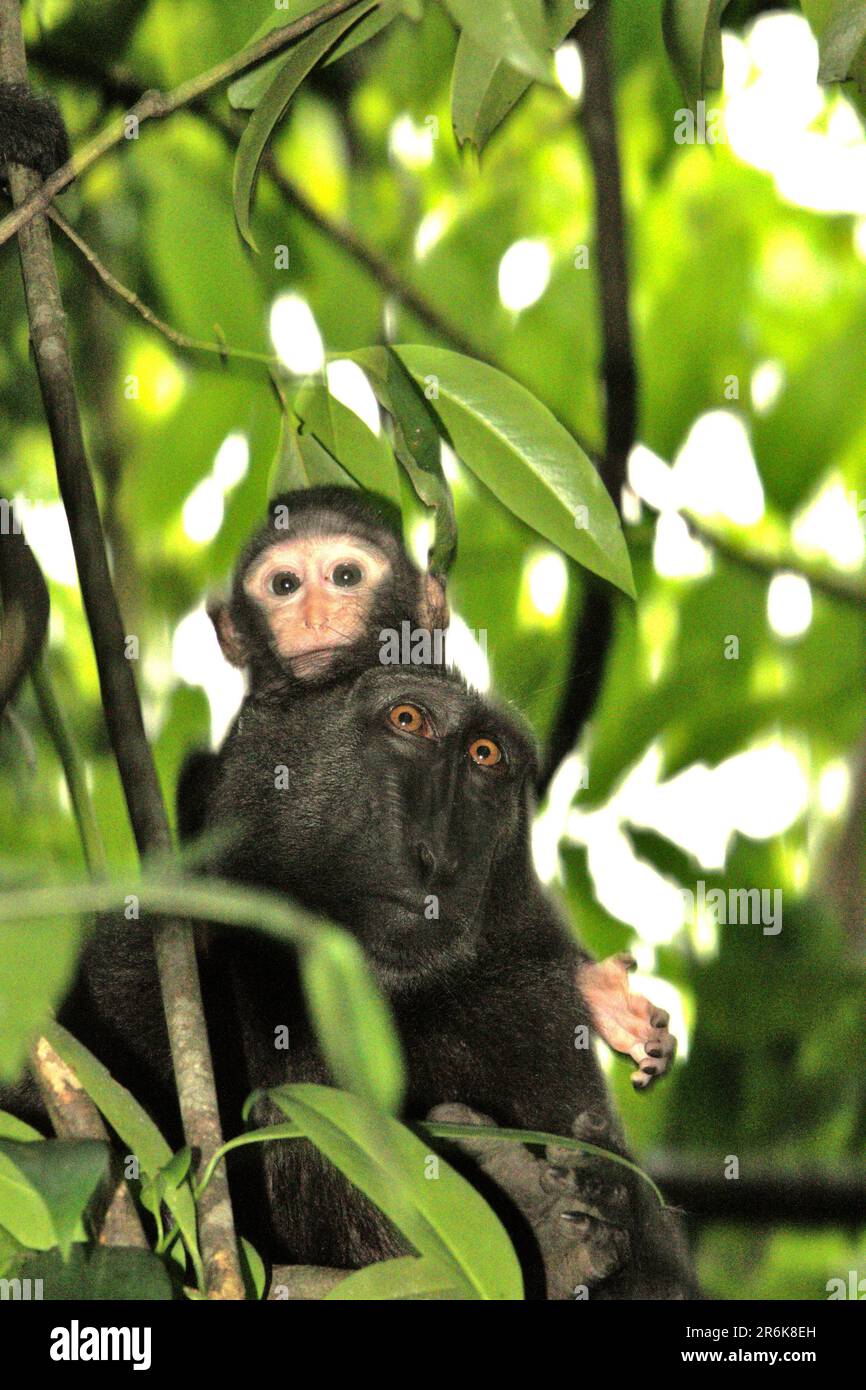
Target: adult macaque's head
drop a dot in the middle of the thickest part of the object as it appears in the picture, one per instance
(315, 587)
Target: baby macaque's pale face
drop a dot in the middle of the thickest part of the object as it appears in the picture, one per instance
(316, 593)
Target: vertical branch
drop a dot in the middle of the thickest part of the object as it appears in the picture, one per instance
(175, 951)
(594, 631)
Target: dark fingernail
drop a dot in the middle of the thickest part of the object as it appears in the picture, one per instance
(654, 1050)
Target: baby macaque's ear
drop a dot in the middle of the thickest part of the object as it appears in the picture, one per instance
(434, 612)
(232, 644)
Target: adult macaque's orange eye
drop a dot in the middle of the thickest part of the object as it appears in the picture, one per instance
(410, 720)
(485, 752)
(284, 582)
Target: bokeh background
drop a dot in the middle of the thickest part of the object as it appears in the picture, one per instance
(728, 743)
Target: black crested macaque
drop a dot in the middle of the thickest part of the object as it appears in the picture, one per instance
(313, 592)
(32, 132)
(316, 587)
(401, 808)
(314, 595)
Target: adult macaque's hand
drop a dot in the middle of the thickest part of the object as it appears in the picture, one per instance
(628, 1022)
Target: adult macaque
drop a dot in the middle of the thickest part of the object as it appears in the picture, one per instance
(312, 594)
(406, 817)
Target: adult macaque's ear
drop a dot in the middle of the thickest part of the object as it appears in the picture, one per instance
(232, 644)
(434, 603)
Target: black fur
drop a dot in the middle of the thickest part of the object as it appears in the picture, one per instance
(32, 132)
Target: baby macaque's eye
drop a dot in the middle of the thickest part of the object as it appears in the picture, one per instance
(347, 575)
(284, 582)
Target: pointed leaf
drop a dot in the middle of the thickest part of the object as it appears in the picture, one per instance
(693, 40)
(513, 30)
(302, 58)
(367, 457)
(45, 1188)
(526, 457)
(407, 1277)
(443, 1218)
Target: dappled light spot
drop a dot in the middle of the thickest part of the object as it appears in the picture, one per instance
(569, 70)
(789, 605)
(295, 336)
(351, 388)
(832, 525)
(198, 661)
(524, 272)
(715, 474)
(203, 511)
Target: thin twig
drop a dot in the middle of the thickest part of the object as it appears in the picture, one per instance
(181, 340)
(154, 105)
(173, 941)
(71, 761)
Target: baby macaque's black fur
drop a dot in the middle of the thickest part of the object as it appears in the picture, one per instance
(32, 132)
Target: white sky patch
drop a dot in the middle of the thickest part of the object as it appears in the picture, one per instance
(466, 653)
(715, 474)
(764, 790)
(832, 525)
(198, 661)
(547, 578)
(410, 144)
(524, 273)
(789, 605)
(203, 511)
(768, 378)
(834, 786)
(568, 67)
(676, 553)
(295, 336)
(232, 462)
(46, 531)
(348, 383)
(773, 110)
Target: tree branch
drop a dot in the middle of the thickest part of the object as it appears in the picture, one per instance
(173, 940)
(154, 105)
(594, 632)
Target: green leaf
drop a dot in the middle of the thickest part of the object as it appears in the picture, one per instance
(255, 1275)
(301, 461)
(45, 1188)
(301, 59)
(100, 1275)
(367, 457)
(13, 1128)
(513, 30)
(842, 44)
(36, 963)
(246, 91)
(416, 443)
(443, 1218)
(693, 40)
(483, 91)
(131, 1123)
(527, 459)
(353, 1023)
(484, 88)
(407, 1277)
